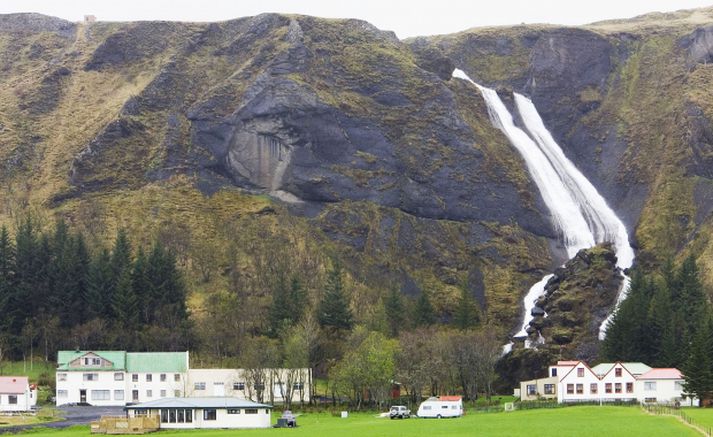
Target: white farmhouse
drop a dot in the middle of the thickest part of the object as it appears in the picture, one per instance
(663, 386)
(205, 412)
(105, 378)
(575, 382)
(16, 394)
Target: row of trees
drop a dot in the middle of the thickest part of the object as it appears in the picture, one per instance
(424, 361)
(55, 292)
(667, 321)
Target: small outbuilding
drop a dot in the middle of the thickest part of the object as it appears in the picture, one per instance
(16, 394)
(204, 413)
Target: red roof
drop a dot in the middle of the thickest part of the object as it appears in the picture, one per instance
(449, 398)
(662, 373)
(13, 384)
(567, 363)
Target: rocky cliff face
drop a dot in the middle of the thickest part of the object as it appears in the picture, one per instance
(362, 141)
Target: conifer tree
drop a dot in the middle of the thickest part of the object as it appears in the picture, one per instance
(7, 261)
(424, 315)
(395, 313)
(125, 303)
(99, 293)
(698, 369)
(333, 311)
(466, 314)
(279, 314)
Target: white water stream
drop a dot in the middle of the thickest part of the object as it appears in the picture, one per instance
(579, 213)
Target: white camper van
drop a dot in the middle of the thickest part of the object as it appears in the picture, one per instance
(442, 406)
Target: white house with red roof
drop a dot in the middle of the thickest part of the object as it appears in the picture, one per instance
(663, 385)
(16, 394)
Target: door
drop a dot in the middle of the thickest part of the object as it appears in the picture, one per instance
(82, 396)
(134, 395)
(218, 389)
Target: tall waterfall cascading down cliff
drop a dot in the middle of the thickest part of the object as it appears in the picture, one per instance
(579, 213)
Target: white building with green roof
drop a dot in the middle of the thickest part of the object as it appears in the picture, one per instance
(116, 378)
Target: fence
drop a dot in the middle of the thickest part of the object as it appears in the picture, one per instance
(666, 410)
(125, 425)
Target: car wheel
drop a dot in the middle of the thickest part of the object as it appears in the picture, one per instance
(439, 417)
(392, 417)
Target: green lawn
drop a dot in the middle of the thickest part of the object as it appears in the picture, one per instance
(701, 416)
(569, 422)
(32, 370)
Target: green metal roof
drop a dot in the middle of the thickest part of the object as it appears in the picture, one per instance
(169, 362)
(635, 368)
(118, 358)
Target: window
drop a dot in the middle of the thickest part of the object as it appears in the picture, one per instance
(650, 400)
(678, 385)
(61, 377)
(443, 407)
(177, 393)
(208, 414)
(62, 393)
(199, 386)
(101, 395)
(549, 389)
(91, 377)
(12, 399)
(650, 386)
(531, 389)
(233, 410)
(238, 386)
(118, 395)
(149, 377)
(553, 372)
(580, 389)
(607, 387)
(177, 377)
(176, 415)
(149, 393)
(118, 376)
(135, 377)
(426, 407)
(630, 387)
(164, 416)
(92, 361)
(254, 410)
(617, 372)
(180, 416)
(593, 388)
(189, 416)
(570, 389)
(259, 387)
(172, 416)
(162, 377)
(617, 387)
(580, 372)
(298, 386)
(163, 393)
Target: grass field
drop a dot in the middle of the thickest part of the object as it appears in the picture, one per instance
(566, 422)
(701, 416)
(46, 414)
(32, 370)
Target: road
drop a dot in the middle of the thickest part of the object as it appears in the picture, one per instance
(73, 415)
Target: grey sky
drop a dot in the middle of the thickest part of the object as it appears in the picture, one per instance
(405, 17)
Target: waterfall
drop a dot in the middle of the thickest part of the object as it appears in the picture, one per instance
(579, 213)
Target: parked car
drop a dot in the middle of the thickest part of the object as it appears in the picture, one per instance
(399, 412)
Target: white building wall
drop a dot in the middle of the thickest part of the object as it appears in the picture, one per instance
(586, 381)
(25, 401)
(138, 383)
(623, 380)
(262, 419)
(226, 382)
(666, 391)
(69, 389)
